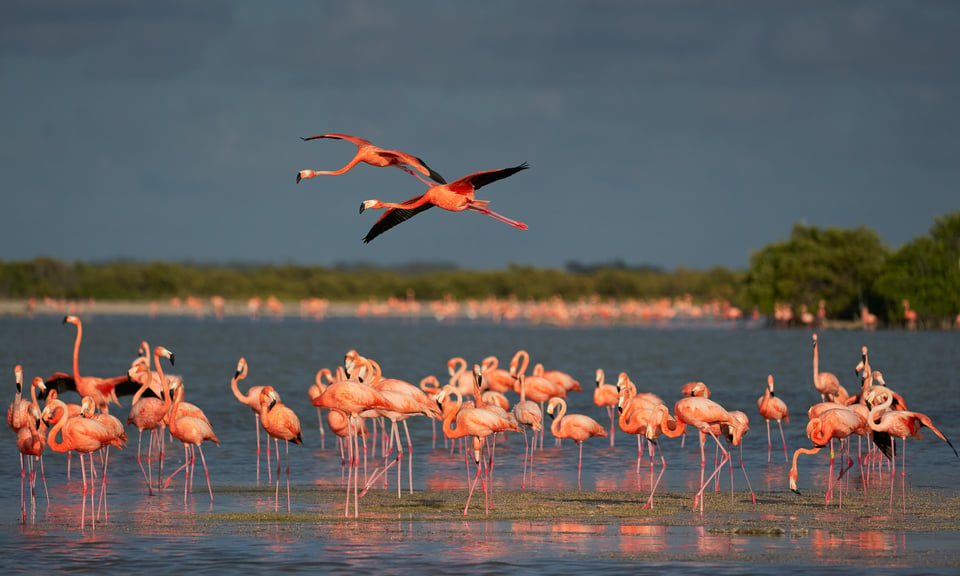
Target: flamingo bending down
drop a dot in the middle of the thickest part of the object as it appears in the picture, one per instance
(455, 197)
(374, 156)
(773, 408)
(833, 423)
(577, 427)
(281, 423)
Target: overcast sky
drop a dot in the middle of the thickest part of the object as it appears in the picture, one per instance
(671, 133)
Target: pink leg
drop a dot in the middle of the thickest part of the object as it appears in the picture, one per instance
(495, 216)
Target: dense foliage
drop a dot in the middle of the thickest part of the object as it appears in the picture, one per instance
(847, 269)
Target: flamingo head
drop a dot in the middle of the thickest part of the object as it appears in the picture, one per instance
(770, 383)
(72, 320)
(268, 397)
(304, 174)
(372, 204)
(18, 374)
(39, 384)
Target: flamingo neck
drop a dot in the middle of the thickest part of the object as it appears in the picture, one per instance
(561, 412)
(76, 354)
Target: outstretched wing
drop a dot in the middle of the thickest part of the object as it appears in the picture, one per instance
(354, 139)
(395, 216)
(59, 381)
(480, 179)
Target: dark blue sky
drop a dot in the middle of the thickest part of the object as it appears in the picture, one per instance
(672, 133)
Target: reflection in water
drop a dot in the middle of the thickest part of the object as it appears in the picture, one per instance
(643, 538)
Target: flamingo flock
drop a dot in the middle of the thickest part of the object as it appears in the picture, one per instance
(365, 408)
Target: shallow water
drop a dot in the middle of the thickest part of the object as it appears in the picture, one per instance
(137, 535)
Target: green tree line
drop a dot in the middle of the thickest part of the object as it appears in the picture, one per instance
(846, 268)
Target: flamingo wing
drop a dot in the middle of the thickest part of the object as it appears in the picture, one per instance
(478, 180)
(395, 216)
(59, 381)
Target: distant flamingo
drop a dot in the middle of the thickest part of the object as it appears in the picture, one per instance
(375, 156)
(281, 423)
(577, 427)
(607, 395)
(702, 413)
(252, 399)
(909, 315)
(100, 389)
(899, 424)
(148, 413)
(826, 383)
(455, 197)
(190, 430)
(773, 408)
(535, 387)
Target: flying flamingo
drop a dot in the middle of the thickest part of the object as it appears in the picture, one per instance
(773, 408)
(577, 427)
(191, 430)
(281, 423)
(826, 383)
(147, 413)
(702, 413)
(100, 389)
(455, 197)
(374, 156)
(81, 435)
(252, 399)
(606, 395)
(899, 424)
(834, 423)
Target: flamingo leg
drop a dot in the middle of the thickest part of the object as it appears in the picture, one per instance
(495, 216)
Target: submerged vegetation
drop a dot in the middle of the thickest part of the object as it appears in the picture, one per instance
(849, 270)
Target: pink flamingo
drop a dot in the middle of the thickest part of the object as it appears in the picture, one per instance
(281, 423)
(576, 427)
(30, 443)
(826, 383)
(374, 156)
(773, 408)
(455, 197)
(607, 395)
(833, 423)
(100, 389)
(528, 415)
(702, 413)
(252, 399)
(148, 413)
(314, 392)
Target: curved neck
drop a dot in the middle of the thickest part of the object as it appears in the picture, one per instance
(164, 383)
(671, 428)
(76, 353)
(561, 407)
(523, 359)
(430, 385)
(798, 452)
(237, 377)
(876, 413)
(448, 430)
(490, 363)
(52, 434)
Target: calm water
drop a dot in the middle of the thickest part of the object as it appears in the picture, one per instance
(286, 354)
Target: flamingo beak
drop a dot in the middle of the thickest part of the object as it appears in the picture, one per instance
(171, 359)
(299, 177)
(362, 207)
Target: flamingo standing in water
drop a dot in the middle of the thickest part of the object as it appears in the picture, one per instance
(455, 197)
(607, 395)
(826, 383)
(703, 413)
(898, 424)
(100, 389)
(252, 399)
(832, 423)
(528, 415)
(773, 408)
(374, 156)
(31, 441)
(281, 423)
(81, 435)
(577, 427)
(191, 430)
(314, 392)
(148, 413)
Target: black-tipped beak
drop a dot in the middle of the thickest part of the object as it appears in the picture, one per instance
(362, 207)
(64, 319)
(171, 359)
(298, 178)
(795, 491)
(237, 373)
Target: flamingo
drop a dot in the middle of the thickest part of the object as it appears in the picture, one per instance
(702, 413)
(81, 435)
(478, 423)
(281, 423)
(313, 392)
(528, 415)
(577, 427)
(147, 413)
(460, 378)
(899, 424)
(606, 395)
(351, 397)
(650, 421)
(30, 443)
(100, 389)
(192, 431)
(374, 156)
(496, 378)
(455, 197)
(773, 408)
(826, 383)
(833, 423)
(252, 399)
